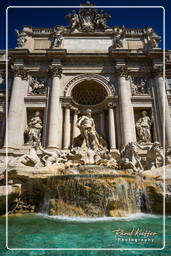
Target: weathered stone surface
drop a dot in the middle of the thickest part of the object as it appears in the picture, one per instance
(59, 207)
(158, 172)
(13, 191)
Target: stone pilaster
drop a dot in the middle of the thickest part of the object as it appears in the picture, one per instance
(163, 104)
(126, 109)
(75, 129)
(15, 129)
(112, 134)
(55, 115)
(67, 127)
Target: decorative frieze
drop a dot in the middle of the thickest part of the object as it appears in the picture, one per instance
(139, 85)
(37, 87)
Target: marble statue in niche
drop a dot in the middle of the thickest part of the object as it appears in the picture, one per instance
(143, 128)
(88, 131)
(34, 130)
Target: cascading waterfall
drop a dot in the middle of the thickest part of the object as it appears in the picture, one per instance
(95, 195)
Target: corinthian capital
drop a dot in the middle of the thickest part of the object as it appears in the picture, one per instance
(20, 72)
(122, 72)
(157, 71)
(55, 70)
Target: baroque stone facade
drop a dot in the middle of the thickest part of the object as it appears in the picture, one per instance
(56, 74)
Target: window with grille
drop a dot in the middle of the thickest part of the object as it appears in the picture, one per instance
(88, 93)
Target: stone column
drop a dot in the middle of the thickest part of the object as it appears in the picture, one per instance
(163, 104)
(55, 118)
(15, 128)
(75, 129)
(112, 134)
(126, 109)
(102, 123)
(67, 127)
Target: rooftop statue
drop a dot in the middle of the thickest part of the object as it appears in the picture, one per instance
(21, 38)
(152, 39)
(57, 37)
(118, 35)
(88, 19)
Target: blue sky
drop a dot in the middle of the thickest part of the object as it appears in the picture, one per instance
(49, 17)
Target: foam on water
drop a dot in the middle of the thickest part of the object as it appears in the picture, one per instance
(133, 216)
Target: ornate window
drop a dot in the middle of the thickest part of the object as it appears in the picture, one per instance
(88, 93)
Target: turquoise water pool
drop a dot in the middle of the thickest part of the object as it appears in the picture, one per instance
(41, 231)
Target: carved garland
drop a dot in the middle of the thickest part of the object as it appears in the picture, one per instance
(80, 78)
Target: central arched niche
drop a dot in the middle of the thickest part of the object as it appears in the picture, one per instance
(88, 93)
(91, 94)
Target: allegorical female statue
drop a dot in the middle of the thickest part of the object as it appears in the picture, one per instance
(34, 130)
(143, 128)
